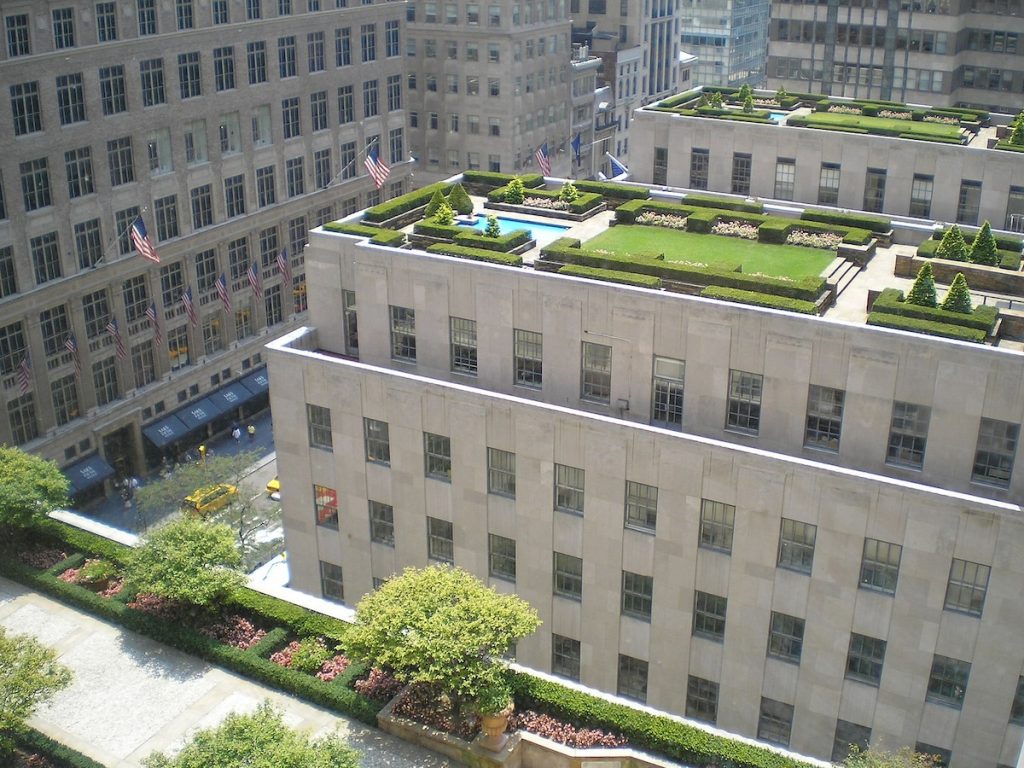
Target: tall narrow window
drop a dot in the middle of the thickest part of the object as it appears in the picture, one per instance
(565, 657)
(318, 420)
(437, 456)
(637, 595)
(741, 164)
(700, 160)
(785, 178)
(796, 545)
(775, 722)
(785, 637)
(874, 190)
(332, 584)
(995, 452)
(440, 540)
(224, 68)
(403, 334)
(70, 99)
(378, 444)
(78, 168)
(968, 202)
(569, 487)
(63, 28)
(667, 393)
(382, 523)
(921, 195)
(828, 184)
(709, 615)
(744, 407)
(463, 345)
(880, 566)
(717, 522)
(325, 506)
(824, 417)
(659, 172)
(568, 576)
(501, 557)
(25, 108)
(151, 72)
(528, 354)
(596, 372)
(501, 472)
(702, 699)
(967, 586)
(908, 435)
(189, 75)
(632, 680)
(112, 90)
(348, 299)
(641, 506)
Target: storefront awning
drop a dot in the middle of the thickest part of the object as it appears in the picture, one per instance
(86, 473)
(232, 396)
(199, 413)
(166, 431)
(257, 383)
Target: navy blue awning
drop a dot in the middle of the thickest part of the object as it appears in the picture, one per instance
(88, 472)
(166, 431)
(232, 396)
(199, 413)
(257, 383)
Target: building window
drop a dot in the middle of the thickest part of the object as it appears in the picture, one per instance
(824, 418)
(568, 576)
(528, 354)
(709, 615)
(785, 178)
(253, 9)
(775, 722)
(968, 583)
(740, 173)
(382, 523)
(286, 66)
(462, 335)
(370, 104)
(828, 184)
(667, 393)
(135, 297)
(565, 657)
(440, 544)
(378, 445)
(21, 412)
(290, 117)
(121, 162)
(318, 420)
(151, 72)
(948, 681)
(874, 190)
(25, 108)
(112, 90)
(921, 195)
(224, 68)
(865, 658)
(18, 40)
(315, 52)
(348, 300)
(637, 595)
(744, 414)
(332, 585)
(993, 458)
(501, 472)
(12, 348)
(702, 699)
(501, 557)
(325, 505)
(785, 637)
(716, 525)
(147, 17)
(78, 168)
(256, 58)
(318, 110)
(158, 152)
(8, 277)
(234, 195)
(437, 456)
(849, 735)
(63, 28)
(908, 433)
(659, 171)
(202, 213)
(104, 380)
(596, 372)
(796, 545)
(45, 258)
(880, 566)
(70, 99)
(65, 399)
(1017, 708)
(266, 194)
(189, 75)
(641, 506)
(35, 184)
(699, 162)
(195, 143)
(368, 42)
(403, 334)
(569, 489)
(220, 12)
(185, 14)
(632, 680)
(342, 47)
(968, 202)
(166, 211)
(295, 176)
(143, 365)
(212, 340)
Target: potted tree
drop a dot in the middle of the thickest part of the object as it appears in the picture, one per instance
(494, 705)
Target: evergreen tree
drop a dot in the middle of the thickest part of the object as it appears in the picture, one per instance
(745, 92)
(434, 204)
(1017, 134)
(984, 249)
(459, 200)
(568, 193)
(716, 100)
(444, 214)
(922, 292)
(952, 246)
(780, 95)
(515, 192)
(493, 228)
(958, 299)
(748, 104)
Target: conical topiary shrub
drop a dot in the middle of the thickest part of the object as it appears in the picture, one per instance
(958, 299)
(434, 204)
(459, 200)
(445, 215)
(515, 192)
(493, 229)
(748, 104)
(984, 249)
(952, 246)
(745, 92)
(922, 292)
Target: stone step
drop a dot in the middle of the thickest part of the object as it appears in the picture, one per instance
(847, 277)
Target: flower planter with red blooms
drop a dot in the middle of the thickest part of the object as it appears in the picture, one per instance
(312, 657)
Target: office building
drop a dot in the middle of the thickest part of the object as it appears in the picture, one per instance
(729, 39)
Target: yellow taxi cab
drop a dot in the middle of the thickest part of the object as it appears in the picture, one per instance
(203, 501)
(274, 486)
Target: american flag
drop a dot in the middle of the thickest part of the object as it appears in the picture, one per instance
(376, 167)
(542, 158)
(71, 345)
(222, 291)
(284, 266)
(190, 308)
(113, 330)
(140, 238)
(25, 374)
(154, 323)
(254, 280)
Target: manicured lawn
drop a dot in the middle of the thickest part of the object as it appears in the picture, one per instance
(757, 258)
(922, 129)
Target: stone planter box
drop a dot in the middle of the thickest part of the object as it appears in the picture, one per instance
(979, 277)
(859, 254)
(399, 221)
(530, 210)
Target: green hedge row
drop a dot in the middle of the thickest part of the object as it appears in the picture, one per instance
(581, 204)
(855, 220)
(890, 302)
(628, 211)
(658, 734)
(728, 204)
(611, 276)
(611, 189)
(376, 234)
(404, 203)
(928, 327)
(60, 755)
(871, 108)
(759, 299)
(491, 178)
(470, 238)
(476, 254)
(1009, 147)
(433, 229)
(851, 235)
(1003, 242)
(1007, 259)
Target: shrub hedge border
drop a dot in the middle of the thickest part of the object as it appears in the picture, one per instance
(405, 203)
(377, 235)
(890, 302)
(759, 299)
(855, 220)
(1003, 242)
(476, 254)
(494, 179)
(59, 754)
(502, 244)
(611, 276)
(916, 325)
(585, 202)
(728, 204)
(612, 189)
(1009, 260)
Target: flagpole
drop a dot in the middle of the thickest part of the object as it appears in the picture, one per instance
(118, 236)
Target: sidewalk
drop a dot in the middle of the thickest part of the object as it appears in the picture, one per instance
(131, 696)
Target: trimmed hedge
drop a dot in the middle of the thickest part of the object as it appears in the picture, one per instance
(759, 299)
(611, 276)
(710, 201)
(1007, 259)
(890, 302)
(1003, 242)
(404, 203)
(611, 189)
(628, 211)
(582, 204)
(855, 220)
(493, 179)
(432, 229)
(376, 234)
(945, 330)
(1009, 147)
(59, 754)
(476, 254)
(503, 244)
(658, 734)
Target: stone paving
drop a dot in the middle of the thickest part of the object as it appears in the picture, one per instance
(132, 696)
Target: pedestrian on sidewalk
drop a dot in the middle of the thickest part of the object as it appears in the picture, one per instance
(237, 434)
(251, 429)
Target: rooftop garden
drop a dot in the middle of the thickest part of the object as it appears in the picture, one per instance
(1014, 141)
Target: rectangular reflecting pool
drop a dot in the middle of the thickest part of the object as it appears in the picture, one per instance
(542, 233)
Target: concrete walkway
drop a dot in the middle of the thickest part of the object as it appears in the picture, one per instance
(132, 696)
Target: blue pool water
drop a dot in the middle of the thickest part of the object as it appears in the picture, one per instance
(542, 233)
(778, 116)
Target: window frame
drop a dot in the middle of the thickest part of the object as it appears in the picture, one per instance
(710, 612)
(325, 506)
(499, 557)
(437, 464)
(567, 576)
(440, 540)
(376, 441)
(717, 526)
(318, 423)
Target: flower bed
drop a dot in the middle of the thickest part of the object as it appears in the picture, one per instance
(826, 240)
(379, 685)
(894, 115)
(667, 220)
(839, 109)
(104, 588)
(312, 657)
(564, 733)
(742, 229)
(234, 630)
(546, 203)
(425, 704)
(41, 558)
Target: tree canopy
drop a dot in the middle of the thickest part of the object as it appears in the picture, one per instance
(32, 487)
(159, 496)
(904, 758)
(258, 740)
(187, 559)
(30, 675)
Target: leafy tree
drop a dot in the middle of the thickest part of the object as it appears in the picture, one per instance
(459, 200)
(952, 246)
(258, 740)
(958, 298)
(441, 625)
(31, 488)
(444, 215)
(30, 675)
(984, 249)
(1017, 134)
(922, 292)
(568, 193)
(435, 202)
(189, 560)
(493, 227)
(748, 105)
(716, 100)
(904, 758)
(515, 192)
(705, 101)
(745, 92)
(780, 95)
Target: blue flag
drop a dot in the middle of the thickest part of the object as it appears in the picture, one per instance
(576, 145)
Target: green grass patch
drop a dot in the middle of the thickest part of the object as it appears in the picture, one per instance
(886, 126)
(715, 250)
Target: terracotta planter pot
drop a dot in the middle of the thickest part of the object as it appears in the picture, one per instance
(492, 729)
